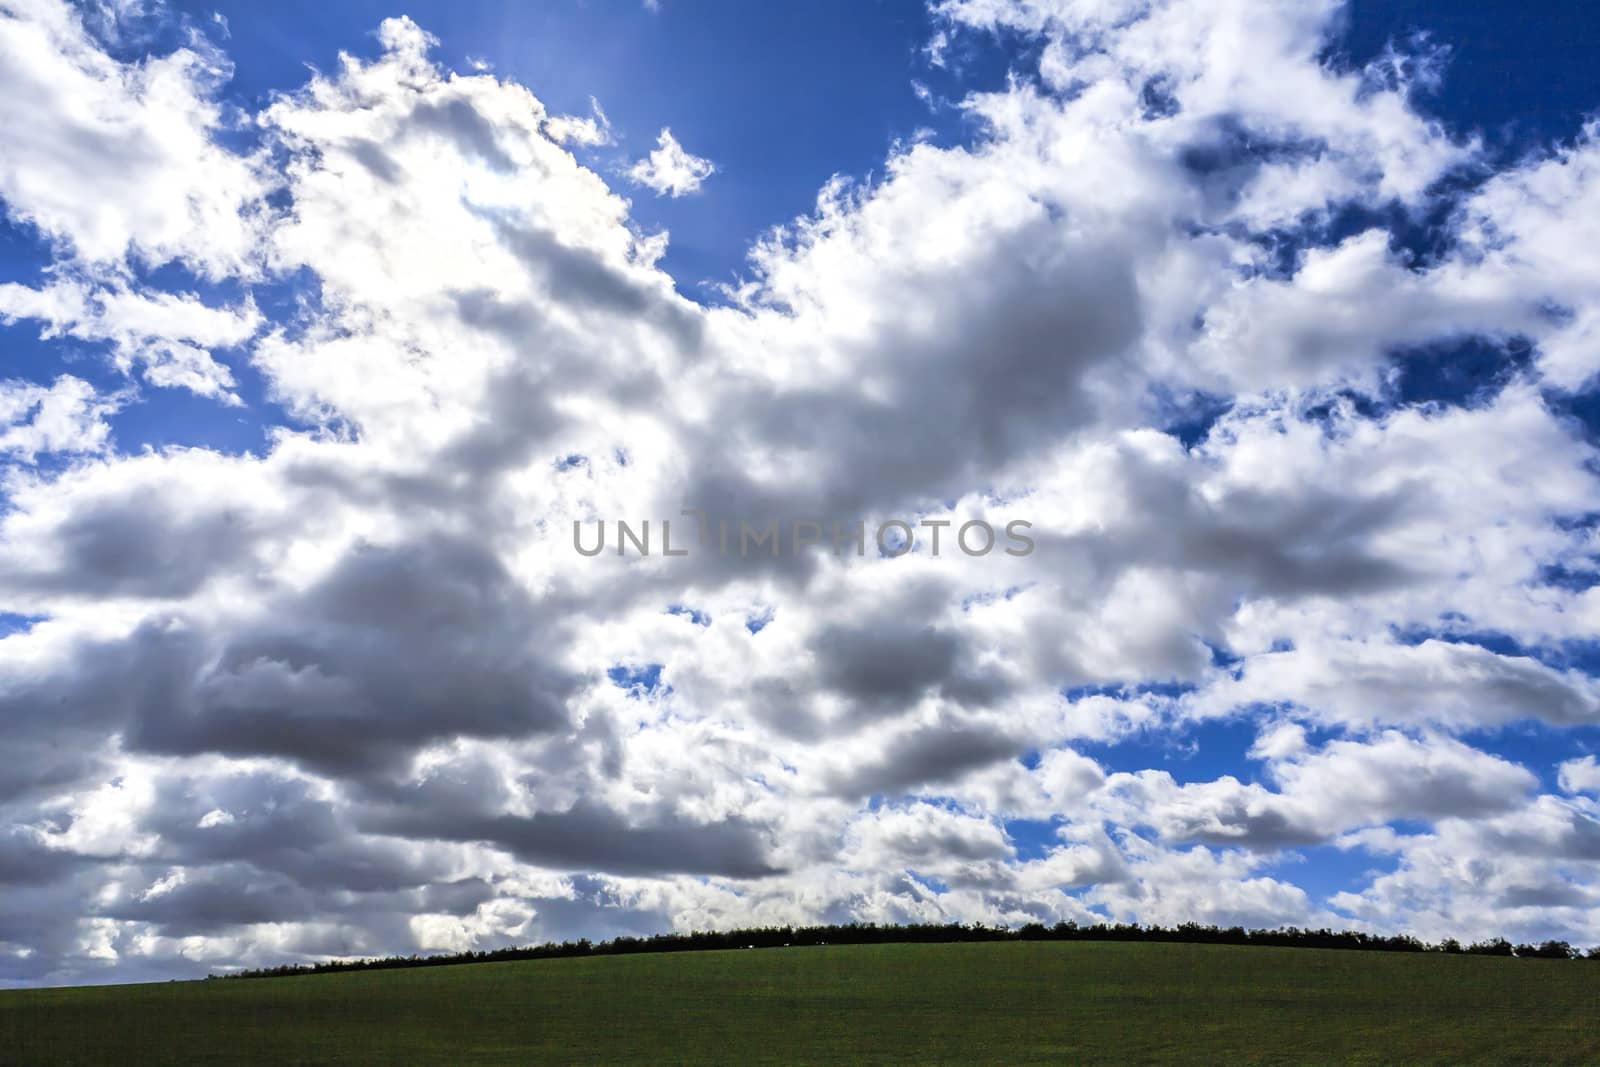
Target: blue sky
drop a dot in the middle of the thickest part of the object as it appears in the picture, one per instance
(1275, 322)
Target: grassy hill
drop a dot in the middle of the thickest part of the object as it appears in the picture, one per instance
(1078, 1002)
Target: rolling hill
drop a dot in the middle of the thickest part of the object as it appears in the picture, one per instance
(1017, 1002)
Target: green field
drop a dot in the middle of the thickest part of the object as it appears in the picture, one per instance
(949, 1003)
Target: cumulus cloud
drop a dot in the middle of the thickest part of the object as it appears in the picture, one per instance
(65, 416)
(669, 169)
(114, 158)
(1344, 786)
(357, 694)
(1580, 775)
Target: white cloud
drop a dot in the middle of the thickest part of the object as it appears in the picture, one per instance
(65, 416)
(1580, 776)
(669, 169)
(117, 159)
(1535, 227)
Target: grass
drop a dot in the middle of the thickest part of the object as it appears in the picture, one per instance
(947, 1003)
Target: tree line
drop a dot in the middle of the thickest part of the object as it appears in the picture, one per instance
(924, 933)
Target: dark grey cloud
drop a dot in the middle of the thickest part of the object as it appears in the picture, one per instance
(371, 154)
(217, 899)
(1310, 540)
(884, 664)
(282, 826)
(120, 546)
(1009, 353)
(927, 756)
(583, 282)
(591, 837)
(1241, 822)
(1565, 833)
(25, 860)
(396, 647)
(43, 753)
(459, 121)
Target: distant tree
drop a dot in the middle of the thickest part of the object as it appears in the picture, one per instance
(1550, 950)
(1497, 947)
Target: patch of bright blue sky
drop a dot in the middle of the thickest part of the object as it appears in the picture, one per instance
(12, 623)
(1538, 747)
(1522, 75)
(1323, 871)
(928, 881)
(1466, 373)
(694, 615)
(1582, 409)
(1200, 751)
(1574, 579)
(1034, 838)
(164, 417)
(1190, 750)
(1190, 417)
(640, 680)
(22, 254)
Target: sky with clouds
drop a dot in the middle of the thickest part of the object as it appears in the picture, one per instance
(1278, 320)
